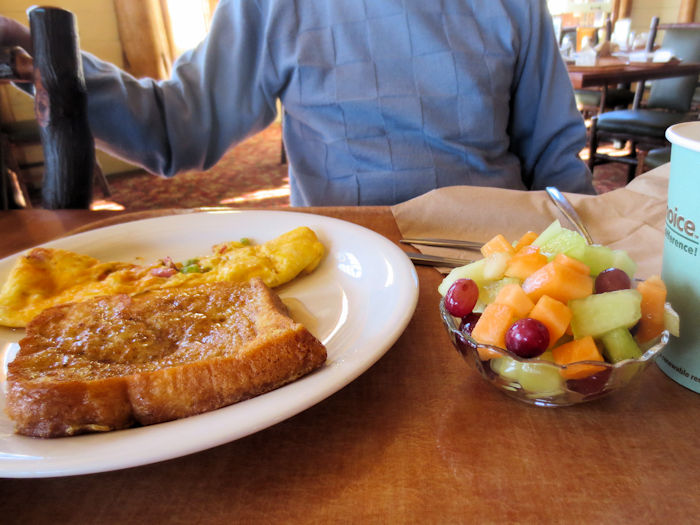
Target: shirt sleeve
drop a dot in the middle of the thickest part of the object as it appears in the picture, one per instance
(547, 131)
(215, 97)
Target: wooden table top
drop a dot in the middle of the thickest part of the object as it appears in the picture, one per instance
(589, 76)
(419, 437)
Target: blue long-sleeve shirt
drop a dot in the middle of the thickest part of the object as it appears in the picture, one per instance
(383, 99)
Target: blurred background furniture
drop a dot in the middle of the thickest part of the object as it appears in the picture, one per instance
(592, 101)
(597, 100)
(668, 103)
(14, 136)
(54, 76)
(657, 157)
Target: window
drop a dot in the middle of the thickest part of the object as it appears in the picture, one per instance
(189, 22)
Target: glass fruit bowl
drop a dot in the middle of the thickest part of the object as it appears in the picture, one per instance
(540, 382)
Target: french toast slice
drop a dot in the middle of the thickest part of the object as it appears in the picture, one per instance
(115, 361)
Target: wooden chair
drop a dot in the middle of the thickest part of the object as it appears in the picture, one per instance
(669, 103)
(590, 102)
(21, 134)
(657, 157)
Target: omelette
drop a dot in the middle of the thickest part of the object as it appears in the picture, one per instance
(46, 277)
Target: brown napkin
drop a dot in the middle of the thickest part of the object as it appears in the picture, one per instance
(630, 218)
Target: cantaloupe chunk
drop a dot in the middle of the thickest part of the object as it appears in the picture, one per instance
(497, 244)
(525, 240)
(572, 263)
(651, 324)
(554, 314)
(491, 328)
(583, 349)
(559, 282)
(514, 296)
(525, 262)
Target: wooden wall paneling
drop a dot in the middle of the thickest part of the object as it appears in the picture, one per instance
(143, 35)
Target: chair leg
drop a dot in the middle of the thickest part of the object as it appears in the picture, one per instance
(19, 190)
(13, 177)
(101, 179)
(632, 167)
(592, 143)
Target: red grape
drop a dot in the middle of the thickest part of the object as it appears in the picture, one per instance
(593, 384)
(527, 338)
(465, 328)
(468, 322)
(612, 279)
(461, 297)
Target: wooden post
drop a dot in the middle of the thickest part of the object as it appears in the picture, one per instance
(615, 12)
(141, 31)
(60, 104)
(624, 9)
(686, 11)
(4, 180)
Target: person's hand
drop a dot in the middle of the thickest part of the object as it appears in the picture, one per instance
(12, 33)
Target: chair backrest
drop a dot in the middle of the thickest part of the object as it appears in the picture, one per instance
(676, 94)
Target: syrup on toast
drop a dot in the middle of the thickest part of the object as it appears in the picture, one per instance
(115, 361)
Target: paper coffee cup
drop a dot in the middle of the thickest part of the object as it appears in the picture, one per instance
(680, 360)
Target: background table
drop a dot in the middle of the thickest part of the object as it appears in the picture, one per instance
(606, 74)
(603, 75)
(418, 438)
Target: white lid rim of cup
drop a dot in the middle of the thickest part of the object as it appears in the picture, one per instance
(685, 134)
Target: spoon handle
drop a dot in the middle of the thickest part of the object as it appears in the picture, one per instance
(569, 212)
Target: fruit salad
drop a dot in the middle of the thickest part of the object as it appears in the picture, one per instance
(564, 310)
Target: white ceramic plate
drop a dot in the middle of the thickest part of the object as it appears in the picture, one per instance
(357, 303)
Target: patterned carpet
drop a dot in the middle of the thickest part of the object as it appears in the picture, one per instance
(249, 175)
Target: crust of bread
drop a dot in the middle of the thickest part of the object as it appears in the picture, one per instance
(116, 361)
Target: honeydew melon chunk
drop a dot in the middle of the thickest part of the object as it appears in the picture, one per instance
(474, 271)
(550, 231)
(624, 262)
(482, 272)
(567, 242)
(600, 313)
(672, 322)
(496, 265)
(488, 291)
(618, 345)
(534, 377)
(541, 379)
(599, 258)
(506, 367)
